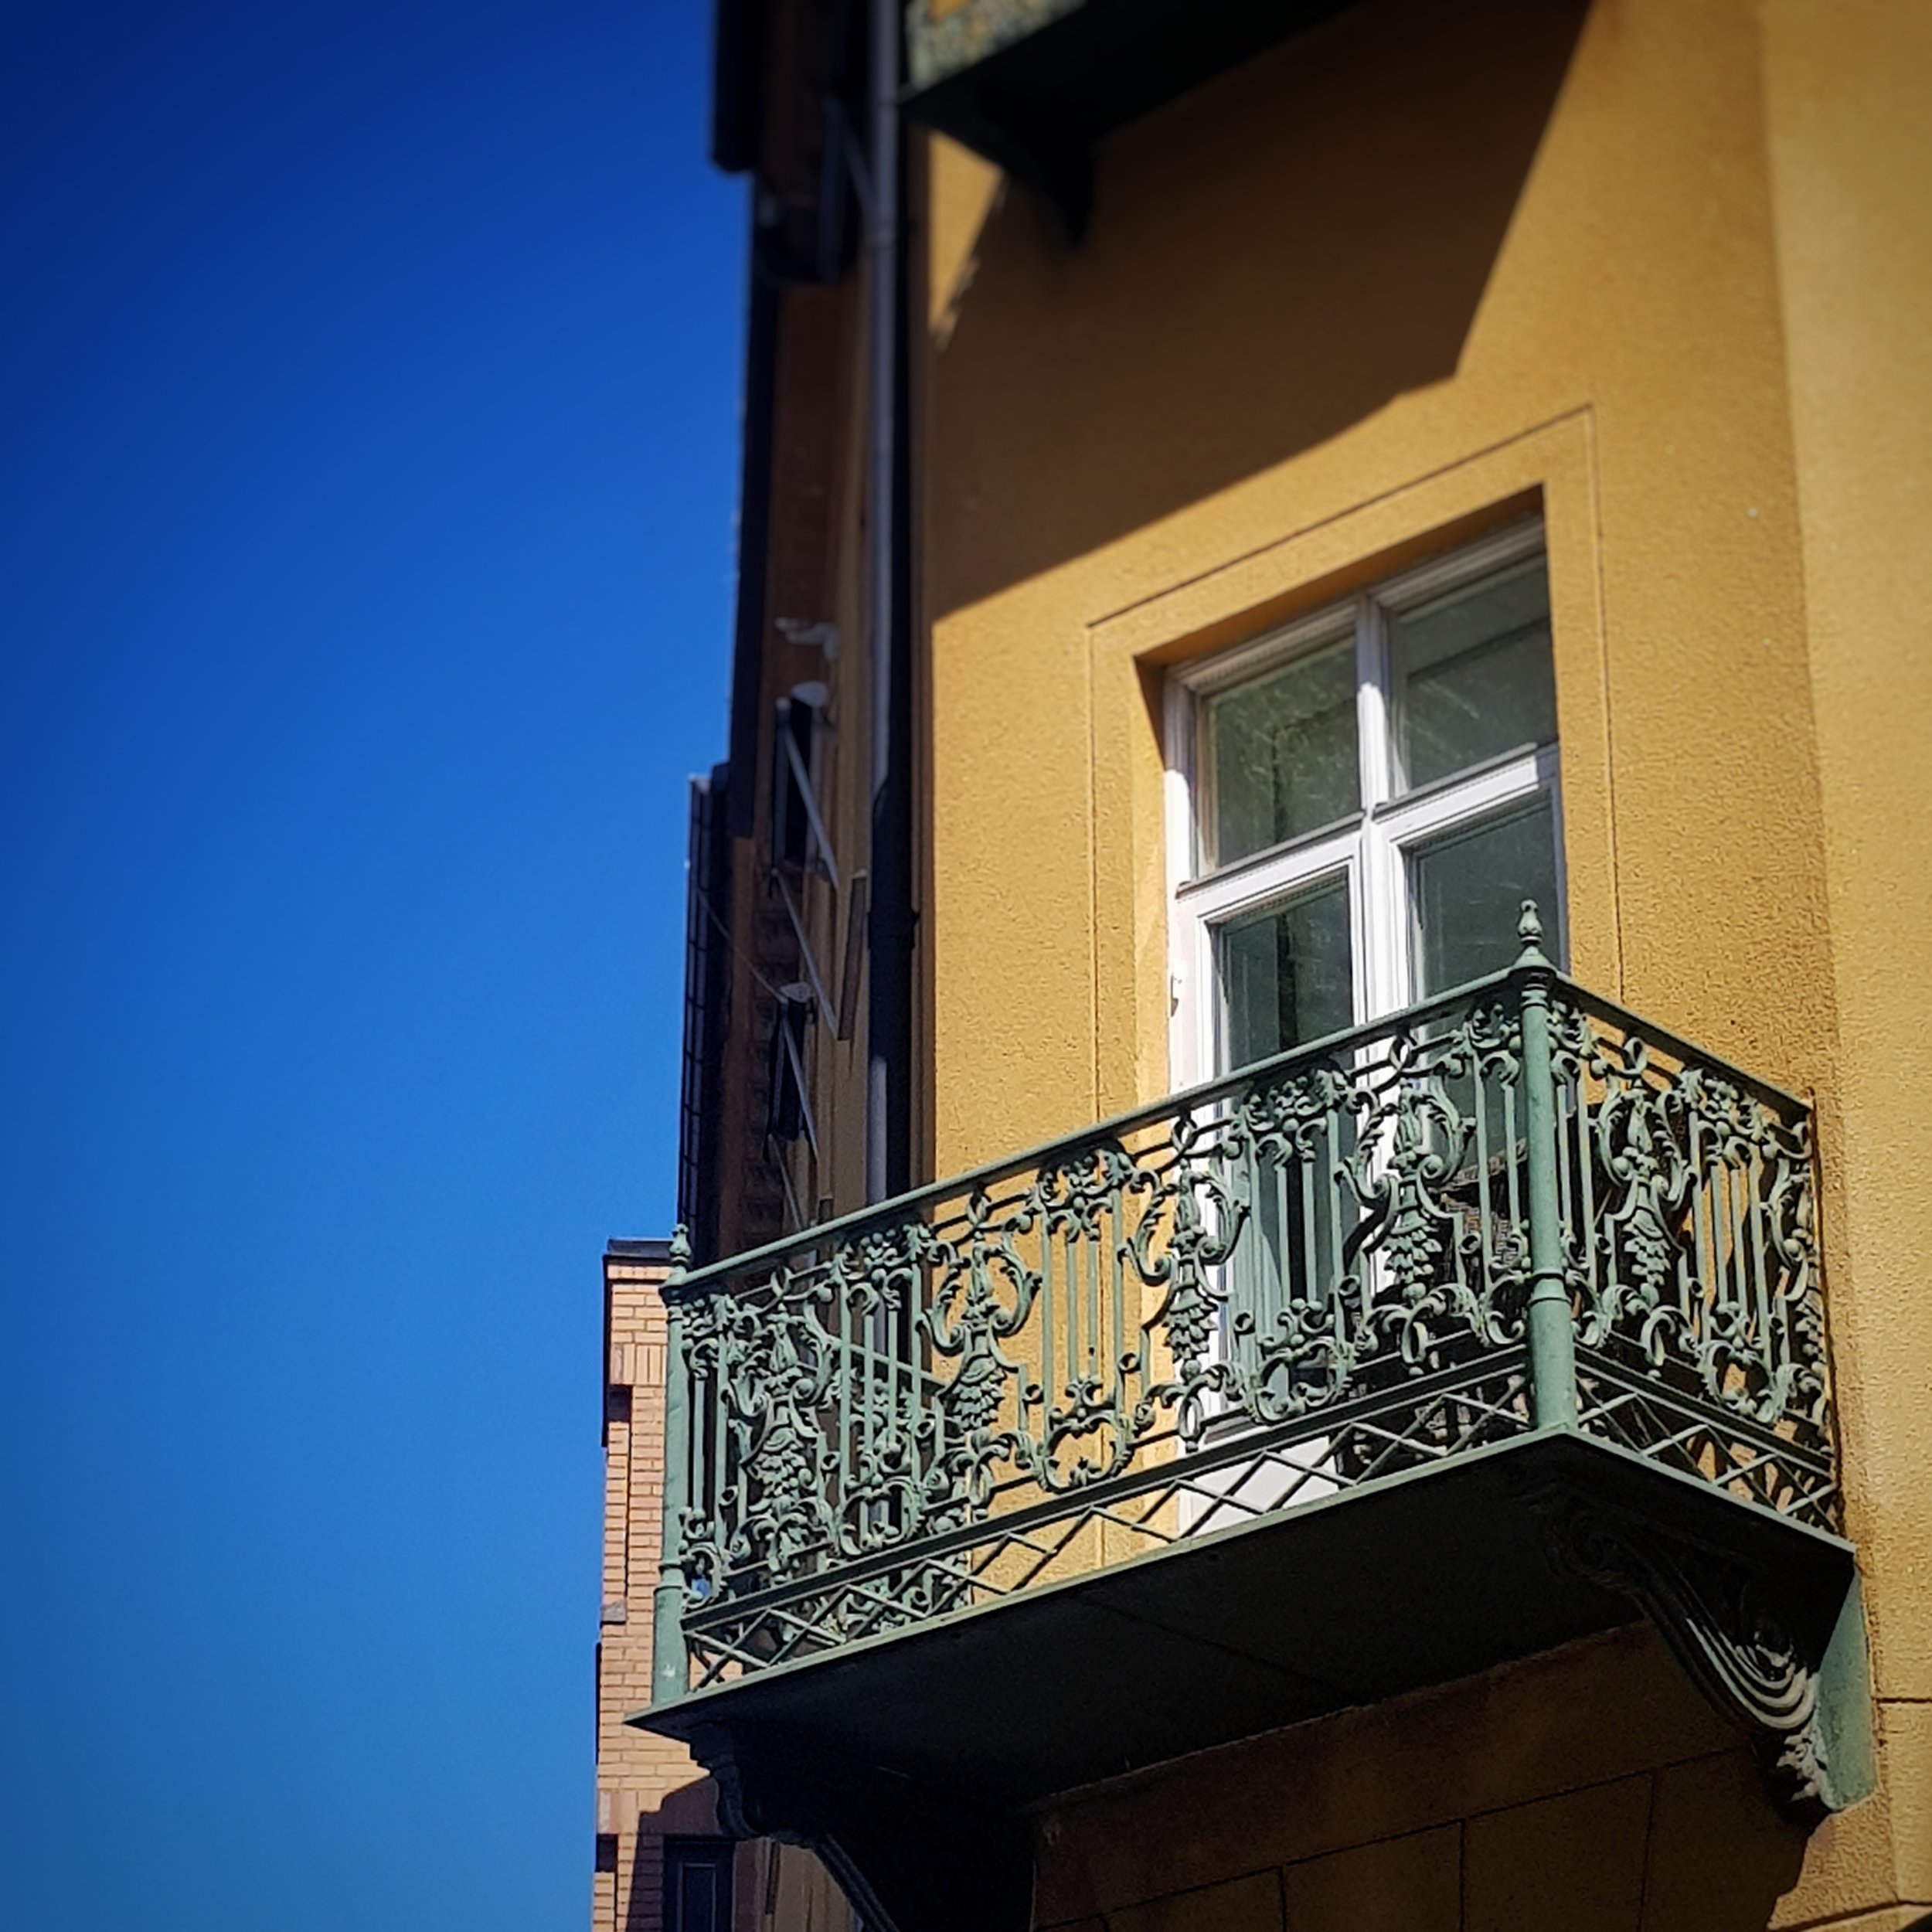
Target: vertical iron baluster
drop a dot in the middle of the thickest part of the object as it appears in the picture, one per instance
(1045, 1325)
(1247, 1272)
(1696, 1289)
(1717, 1297)
(1565, 1171)
(1740, 1311)
(872, 1343)
(1070, 1270)
(1092, 1270)
(846, 1316)
(1310, 1294)
(1313, 1292)
(670, 1664)
(1118, 1339)
(1485, 1235)
(1334, 1133)
(1276, 1263)
(1754, 1198)
(1586, 1228)
(1552, 1341)
(917, 1396)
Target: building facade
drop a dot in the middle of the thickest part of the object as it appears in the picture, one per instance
(663, 1863)
(1329, 712)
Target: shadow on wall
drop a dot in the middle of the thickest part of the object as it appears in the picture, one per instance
(1591, 1787)
(690, 1810)
(1271, 260)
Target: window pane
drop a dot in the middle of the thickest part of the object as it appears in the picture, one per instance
(1284, 754)
(1467, 892)
(1286, 975)
(1472, 674)
(697, 1885)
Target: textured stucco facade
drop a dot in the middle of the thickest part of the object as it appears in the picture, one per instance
(1657, 273)
(1662, 272)
(648, 1788)
(1851, 155)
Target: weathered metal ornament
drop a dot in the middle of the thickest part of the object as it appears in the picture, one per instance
(1517, 1211)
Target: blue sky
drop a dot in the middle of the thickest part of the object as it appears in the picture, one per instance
(369, 391)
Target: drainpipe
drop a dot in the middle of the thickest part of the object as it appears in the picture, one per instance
(889, 934)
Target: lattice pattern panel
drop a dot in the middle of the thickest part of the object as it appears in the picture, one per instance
(1286, 1283)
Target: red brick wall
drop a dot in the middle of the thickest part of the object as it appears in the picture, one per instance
(648, 1788)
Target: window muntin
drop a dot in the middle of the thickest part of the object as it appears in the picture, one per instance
(1301, 863)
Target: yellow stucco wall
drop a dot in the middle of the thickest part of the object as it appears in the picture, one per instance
(1850, 153)
(1426, 260)
(1658, 266)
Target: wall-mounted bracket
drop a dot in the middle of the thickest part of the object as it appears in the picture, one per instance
(909, 1858)
(1786, 1665)
(1033, 85)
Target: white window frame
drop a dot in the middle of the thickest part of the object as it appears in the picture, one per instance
(1371, 847)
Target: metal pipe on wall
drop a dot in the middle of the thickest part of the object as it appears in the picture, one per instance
(889, 935)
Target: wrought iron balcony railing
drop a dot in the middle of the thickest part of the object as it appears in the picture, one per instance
(1517, 1210)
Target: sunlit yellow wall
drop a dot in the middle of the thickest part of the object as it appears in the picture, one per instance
(1847, 82)
(1659, 265)
(1395, 274)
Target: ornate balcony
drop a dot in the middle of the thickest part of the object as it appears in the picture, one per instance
(1436, 1344)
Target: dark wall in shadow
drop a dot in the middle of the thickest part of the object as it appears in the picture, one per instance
(691, 1811)
(1271, 260)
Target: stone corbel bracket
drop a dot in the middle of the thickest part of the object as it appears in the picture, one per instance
(1790, 1674)
(910, 1859)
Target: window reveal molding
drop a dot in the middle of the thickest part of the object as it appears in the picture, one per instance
(802, 850)
(1371, 848)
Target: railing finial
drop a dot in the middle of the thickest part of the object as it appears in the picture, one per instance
(1530, 930)
(680, 1254)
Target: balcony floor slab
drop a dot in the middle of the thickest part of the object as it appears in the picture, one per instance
(1403, 1583)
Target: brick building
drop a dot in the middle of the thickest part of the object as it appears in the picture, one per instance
(662, 1864)
(1409, 1414)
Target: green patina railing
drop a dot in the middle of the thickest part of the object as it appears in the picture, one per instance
(941, 39)
(1515, 1208)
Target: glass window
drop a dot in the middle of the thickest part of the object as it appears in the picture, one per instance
(1288, 974)
(697, 1884)
(1390, 779)
(1472, 675)
(1284, 754)
(1467, 890)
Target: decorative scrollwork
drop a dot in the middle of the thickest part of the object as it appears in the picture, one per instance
(1727, 1630)
(1272, 1251)
(1697, 1256)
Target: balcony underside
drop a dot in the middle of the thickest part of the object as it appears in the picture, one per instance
(1032, 84)
(1408, 1582)
(1480, 1329)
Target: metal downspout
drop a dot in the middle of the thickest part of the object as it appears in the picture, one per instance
(887, 1038)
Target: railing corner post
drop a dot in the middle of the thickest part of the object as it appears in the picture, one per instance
(670, 1664)
(1551, 1332)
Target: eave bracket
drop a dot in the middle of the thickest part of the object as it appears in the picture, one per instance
(909, 1858)
(1791, 1674)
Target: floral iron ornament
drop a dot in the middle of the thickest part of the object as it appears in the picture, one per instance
(1515, 1207)
(1742, 1648)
